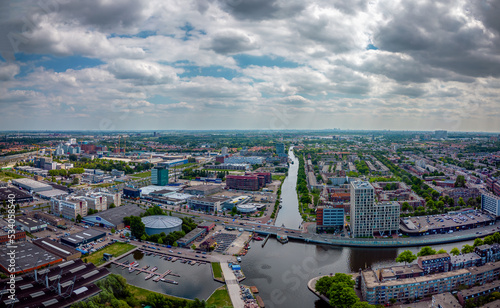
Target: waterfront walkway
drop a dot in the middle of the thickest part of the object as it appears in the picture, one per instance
(326, 239)
(233, 286)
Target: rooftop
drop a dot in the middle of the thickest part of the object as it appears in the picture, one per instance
(116, 215)
(161, 221)
(27, 256)
(446, 300)
(31, 183)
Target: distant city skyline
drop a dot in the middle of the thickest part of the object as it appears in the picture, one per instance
(261, 64)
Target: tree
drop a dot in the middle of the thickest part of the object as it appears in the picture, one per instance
(112, 206)
(342, 296)
(113, 230)
(160, 241)
(467, 249)
(441, 251)
(144, 237)
(455, 251)
(137, 227)
(406, 256)
(461, 202)
(78, 218)
(363, 305)
(426, 251)
(478, 242)
(460, 181)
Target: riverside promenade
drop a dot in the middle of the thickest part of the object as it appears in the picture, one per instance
(326, 239)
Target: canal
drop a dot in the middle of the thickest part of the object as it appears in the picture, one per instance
(281, 272)
(289, 215)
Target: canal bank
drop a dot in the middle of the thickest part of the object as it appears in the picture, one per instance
(289, 215)
(282, 272)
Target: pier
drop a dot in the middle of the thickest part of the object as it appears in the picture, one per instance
(159, 277)
(265, 241)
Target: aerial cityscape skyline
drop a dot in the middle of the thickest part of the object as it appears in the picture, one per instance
(249, 65)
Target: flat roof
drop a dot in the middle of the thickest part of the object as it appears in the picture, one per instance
(475, 290)
(28, 256)
(31, 183)
(115, 215)
(6, 191)
(446, 300)
(83, 236)
(202, 187)
(208, 199)
(30, 222)
(456, 221)
(52, 193)
(56, 248)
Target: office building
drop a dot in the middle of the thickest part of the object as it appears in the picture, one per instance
(367, 217)
(159, 176)
(329, 217)
(491, 204)
(206, 204)
(243, 182)
(280, 150)
(69, 207)
(224, 151)
(440, 134)
(97, 202)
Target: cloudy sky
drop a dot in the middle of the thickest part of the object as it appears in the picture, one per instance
(250, 64)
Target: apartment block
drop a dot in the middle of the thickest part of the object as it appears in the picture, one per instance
(491, 204)
(367, 217)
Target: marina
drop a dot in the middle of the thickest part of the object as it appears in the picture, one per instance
(151, 273)
(183, 280)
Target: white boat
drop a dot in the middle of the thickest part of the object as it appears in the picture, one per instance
(149, 276)
(154, 269)
(238, 258)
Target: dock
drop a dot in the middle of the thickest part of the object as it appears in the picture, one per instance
(265, 241)
(159, 277)
(175, 256)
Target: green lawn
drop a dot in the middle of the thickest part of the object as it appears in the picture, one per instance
(7, 175)
(278, 177)
(141, 294)
(115, 249)
(217, 270)
(184, 166)
(143, 175)
(220, 298)
(105, 184)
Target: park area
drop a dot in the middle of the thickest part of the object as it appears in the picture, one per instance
(142, 175)
(116, 249)
(220, 298)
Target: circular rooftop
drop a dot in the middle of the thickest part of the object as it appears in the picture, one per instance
(161, 222)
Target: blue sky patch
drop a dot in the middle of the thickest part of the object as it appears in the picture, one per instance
(371, 47)
(57, 64)
(142, 34)
(211, 71)
(244, 61)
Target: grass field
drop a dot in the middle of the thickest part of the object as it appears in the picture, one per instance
(7, 175)
(141, 294)
(220, 298)
(115, 249)
(143, 175)
(217, 270)
(184, 166)
(278, 177)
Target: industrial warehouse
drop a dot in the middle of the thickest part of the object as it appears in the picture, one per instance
(82, 237)
(58, 286)
(113, 218)
(63, 251)
(28, 258)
